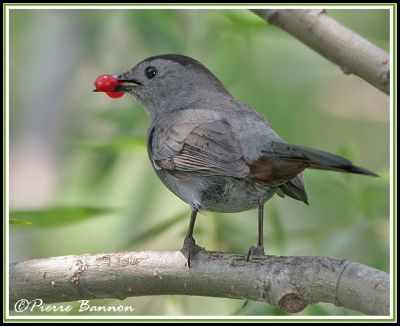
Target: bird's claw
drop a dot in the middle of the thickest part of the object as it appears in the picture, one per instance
(190, 249)
(255, 251)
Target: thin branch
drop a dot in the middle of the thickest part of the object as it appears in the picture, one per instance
(289, 283)
(354, 54)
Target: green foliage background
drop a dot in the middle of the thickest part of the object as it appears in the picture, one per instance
(80, 179)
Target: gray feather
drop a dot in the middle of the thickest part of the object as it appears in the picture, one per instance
(317, 159)
(294, 188)
(207, 149)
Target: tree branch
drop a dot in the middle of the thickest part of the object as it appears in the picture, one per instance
(289, 283)
(351, 52)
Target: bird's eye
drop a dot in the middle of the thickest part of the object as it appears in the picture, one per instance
(151, 72)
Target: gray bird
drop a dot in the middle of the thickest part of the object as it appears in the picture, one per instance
(212, 151)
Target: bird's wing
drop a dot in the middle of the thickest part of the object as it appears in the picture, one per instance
(208, 148)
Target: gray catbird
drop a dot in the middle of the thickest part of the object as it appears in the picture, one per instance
(212, 151)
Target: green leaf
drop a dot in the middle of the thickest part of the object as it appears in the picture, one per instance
(55, 216)
(244, 21)
(14, 221)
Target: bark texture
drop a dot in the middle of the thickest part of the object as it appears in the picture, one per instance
(289, 283)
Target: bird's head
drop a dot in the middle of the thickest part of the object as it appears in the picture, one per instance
(168, 80)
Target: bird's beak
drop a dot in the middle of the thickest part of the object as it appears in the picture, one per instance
(126, 84)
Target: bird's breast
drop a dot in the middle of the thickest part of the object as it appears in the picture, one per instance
(216, 193)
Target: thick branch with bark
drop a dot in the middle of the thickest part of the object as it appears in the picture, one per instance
(289, 283)
(354, 54)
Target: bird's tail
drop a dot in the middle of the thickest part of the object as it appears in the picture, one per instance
(316, 159)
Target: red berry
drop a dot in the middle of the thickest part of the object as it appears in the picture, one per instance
(115, 94)
(106, 83)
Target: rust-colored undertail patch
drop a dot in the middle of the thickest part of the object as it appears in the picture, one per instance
(274, 171)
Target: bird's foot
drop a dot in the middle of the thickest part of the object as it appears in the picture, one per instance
(190, 249)
(255, 251)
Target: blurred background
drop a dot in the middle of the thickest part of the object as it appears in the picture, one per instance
(80, 180)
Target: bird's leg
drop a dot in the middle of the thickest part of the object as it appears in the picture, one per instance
(259, 250)
(190, 248)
